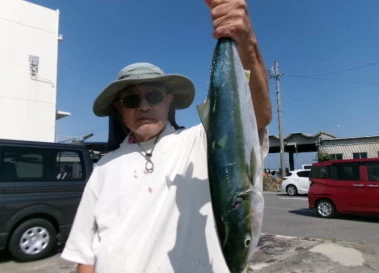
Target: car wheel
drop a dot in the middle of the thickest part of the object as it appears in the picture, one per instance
(291, 190)
(325, 209)
(34, 239)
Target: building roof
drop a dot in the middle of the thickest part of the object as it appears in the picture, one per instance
(355, 137)
(299, 141)
(320, 134)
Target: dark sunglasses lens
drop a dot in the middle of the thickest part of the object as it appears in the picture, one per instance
(154, 97)
(131, 101)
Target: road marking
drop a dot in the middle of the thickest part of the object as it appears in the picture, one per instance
(269, 207)
(294, 198)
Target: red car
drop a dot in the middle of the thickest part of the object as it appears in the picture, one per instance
(345, 186)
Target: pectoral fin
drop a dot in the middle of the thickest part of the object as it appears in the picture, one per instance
(203, 110)
(253, 165)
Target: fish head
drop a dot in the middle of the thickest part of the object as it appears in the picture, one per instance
(239, 242)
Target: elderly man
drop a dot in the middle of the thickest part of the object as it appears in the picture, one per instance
(146, 207)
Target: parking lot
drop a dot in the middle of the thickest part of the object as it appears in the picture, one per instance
(284, 215)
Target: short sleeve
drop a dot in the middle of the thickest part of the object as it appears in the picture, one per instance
(78, 247)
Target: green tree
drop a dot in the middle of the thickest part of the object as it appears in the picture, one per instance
(324, 157)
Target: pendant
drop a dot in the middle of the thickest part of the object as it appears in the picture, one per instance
(149, 166)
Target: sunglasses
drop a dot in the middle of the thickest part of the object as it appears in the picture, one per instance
(153, 97)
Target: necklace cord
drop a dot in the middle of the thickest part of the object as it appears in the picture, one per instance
(149, 166)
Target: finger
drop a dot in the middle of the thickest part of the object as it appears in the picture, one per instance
(232, 32)
(230, 9)
(214, 3)
(224, 18)
(220, 10)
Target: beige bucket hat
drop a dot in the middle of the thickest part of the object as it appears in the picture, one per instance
(180, 86)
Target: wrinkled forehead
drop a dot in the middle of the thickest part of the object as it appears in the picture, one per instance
(142, 88)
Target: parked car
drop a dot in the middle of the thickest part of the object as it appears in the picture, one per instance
(41, 185)
(296, 182)
(345, 186)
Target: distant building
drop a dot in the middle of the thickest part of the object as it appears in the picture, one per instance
(323, 142)
(350, 147)
(297, 143)
(28, 71)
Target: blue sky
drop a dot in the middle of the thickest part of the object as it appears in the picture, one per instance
(328, 50)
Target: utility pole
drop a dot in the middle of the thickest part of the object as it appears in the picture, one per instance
(274, 73)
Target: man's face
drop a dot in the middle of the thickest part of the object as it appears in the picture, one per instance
(144, 109)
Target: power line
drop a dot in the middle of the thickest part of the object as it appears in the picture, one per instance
(331, 80)
(341, 71)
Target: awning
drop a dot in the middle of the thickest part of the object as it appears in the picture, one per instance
(61, 114)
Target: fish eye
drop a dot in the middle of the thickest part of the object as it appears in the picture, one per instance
(247, 241)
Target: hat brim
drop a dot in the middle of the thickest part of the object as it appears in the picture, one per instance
(180, 86)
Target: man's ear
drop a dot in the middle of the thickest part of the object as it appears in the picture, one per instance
(171, 98)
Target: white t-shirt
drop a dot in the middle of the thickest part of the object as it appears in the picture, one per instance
(131, 221)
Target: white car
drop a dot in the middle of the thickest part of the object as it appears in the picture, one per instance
(297, 182)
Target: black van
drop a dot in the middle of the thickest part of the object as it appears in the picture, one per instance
(41, 185)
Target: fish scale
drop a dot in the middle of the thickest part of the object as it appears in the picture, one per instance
(234, 157)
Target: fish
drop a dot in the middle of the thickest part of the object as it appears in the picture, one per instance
(234, 157)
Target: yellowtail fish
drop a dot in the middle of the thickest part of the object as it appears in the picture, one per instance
(235, 166)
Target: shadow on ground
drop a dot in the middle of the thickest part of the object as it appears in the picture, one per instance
(350, 217)
(4, 256)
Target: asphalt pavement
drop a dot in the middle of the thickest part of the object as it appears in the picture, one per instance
(291, 216)
(308, 243)
(286, 254)
(275, 253)
(345, 246)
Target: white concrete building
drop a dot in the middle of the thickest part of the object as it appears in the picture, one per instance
(28, 71)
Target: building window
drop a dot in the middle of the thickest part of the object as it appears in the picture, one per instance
(337, 156)
(360, 155)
